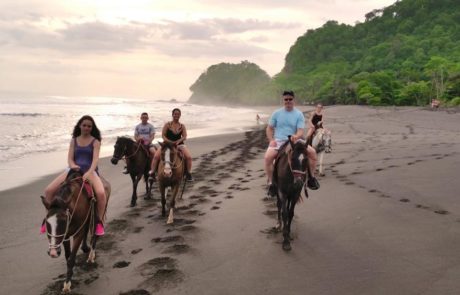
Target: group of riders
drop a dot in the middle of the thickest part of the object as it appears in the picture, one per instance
(85, 146)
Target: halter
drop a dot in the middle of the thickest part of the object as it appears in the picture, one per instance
(177, 161)
(69, 220)
(294, 171)
(125, 156)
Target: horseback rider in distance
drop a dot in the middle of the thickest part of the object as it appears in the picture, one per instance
(284, 122)
(315, 122)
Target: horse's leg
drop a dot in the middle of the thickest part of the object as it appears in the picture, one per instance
(172, 204)
(321, 171)
(148, 186)
(66, 249)
(135, 180)
(84, 244)
(92, 253)
(163, 200)
(71, 263)
(285, 215)
(279, 204)
(291, 216)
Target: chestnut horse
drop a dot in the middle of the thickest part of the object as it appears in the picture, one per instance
(71, 216)
(170, 174)
(138, 161)
(289, 175)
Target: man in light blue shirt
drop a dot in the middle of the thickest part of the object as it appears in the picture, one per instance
(284, 122)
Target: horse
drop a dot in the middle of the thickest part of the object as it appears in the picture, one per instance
(289, 175)
(72, 216)
(138, 162)
(322, 143)
(171, 172)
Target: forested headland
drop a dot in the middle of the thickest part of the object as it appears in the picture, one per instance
(404, 54)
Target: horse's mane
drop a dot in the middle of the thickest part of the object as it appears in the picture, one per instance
(61, 197)
(125, 139)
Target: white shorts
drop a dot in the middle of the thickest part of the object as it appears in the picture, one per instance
(279, 143)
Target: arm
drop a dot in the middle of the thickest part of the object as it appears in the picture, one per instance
(184, 135)
(70, 155)
(270, 131)
(136, 135)
(163, 133)
(96, 150)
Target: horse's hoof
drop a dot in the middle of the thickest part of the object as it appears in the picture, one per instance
(322, 174)
(66, 288)
(147, 198)
(287, 246)
(91, 257)
(169, 221)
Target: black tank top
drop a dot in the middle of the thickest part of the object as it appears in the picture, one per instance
(316, 118)
(173, 136)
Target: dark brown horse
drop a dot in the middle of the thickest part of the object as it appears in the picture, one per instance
(289, 177)
(71, 217)
(138, 161)
(170, 174)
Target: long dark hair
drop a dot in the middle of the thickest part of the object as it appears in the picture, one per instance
(94, 130)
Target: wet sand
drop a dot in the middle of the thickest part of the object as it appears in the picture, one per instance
(385, 221)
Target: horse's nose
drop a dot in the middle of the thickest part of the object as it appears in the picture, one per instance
(54, 253)
(114, 161)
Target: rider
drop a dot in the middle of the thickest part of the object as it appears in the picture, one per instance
(174, 132)
(144, 133)
(284, 122)
(83, 155)
(315, 121)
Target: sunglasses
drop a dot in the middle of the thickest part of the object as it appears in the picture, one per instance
(288, 99)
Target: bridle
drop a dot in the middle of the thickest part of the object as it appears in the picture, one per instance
(69, 217)
(123, 153)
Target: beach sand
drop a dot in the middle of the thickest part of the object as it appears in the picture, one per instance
(386, 220)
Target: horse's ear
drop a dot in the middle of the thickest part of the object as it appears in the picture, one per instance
(45, 202)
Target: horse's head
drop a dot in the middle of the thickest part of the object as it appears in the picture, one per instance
(119, 149)
(168, 157)
(298, 161)
(58, 217)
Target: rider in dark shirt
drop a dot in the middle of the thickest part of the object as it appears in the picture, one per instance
(175, 132)
(315, 121)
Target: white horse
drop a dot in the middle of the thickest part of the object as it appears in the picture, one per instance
(322, 144)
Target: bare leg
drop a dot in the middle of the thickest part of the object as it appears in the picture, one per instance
(52, 188)
(270, 156)
(100, 195)
(312, 160)
(155, 161)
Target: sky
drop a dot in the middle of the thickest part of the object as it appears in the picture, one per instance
(146, 48)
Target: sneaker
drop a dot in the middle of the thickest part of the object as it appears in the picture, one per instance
(271, 190)
(99, 229)
(189, 177)
(43, 228)
(313, 183)
(126, 170)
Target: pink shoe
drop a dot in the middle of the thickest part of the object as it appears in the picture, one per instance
(43, 228)
(99, 229)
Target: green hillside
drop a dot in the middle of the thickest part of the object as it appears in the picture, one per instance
(404, 54)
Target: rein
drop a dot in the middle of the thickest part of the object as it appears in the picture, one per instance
(69, 218)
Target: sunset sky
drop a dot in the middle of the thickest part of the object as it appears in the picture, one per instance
(149, 49)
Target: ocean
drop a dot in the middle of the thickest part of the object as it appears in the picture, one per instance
(38, 130)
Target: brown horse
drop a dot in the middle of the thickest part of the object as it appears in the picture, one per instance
(138, 160)
(289, 177)
(71, 216)
(170, 174)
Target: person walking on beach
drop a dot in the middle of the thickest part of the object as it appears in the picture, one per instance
(315, 122)
(286, 121)
(175, 133)
(144, 133)
(83, 155)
